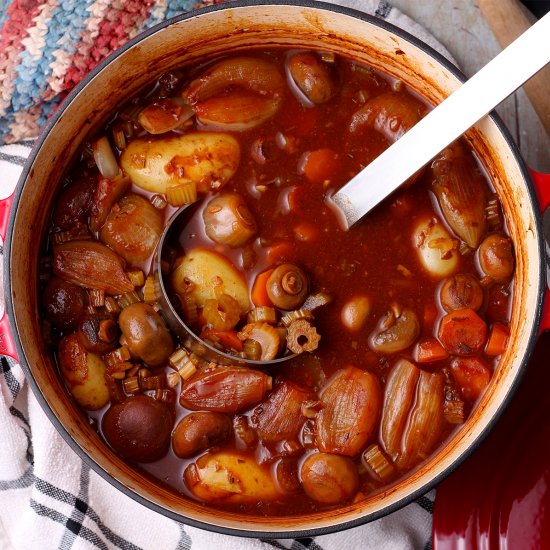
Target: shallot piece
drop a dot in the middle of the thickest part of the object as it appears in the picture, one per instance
(412, 416)
(279, 416)
(133, 228)
(256, 90)
(313, 77)
(392, 114)
(352, 401)
(91, 264)
(225, 389)
(461, 192)
(107, 193)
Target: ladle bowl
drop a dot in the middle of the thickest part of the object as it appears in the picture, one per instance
(190, 339)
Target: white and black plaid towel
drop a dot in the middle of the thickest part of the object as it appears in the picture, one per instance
(50, 499)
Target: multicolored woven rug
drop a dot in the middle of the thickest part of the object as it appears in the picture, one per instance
(46, 47)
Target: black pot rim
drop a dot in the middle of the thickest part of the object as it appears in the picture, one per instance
(300, 532)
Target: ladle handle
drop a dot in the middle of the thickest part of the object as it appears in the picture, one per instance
(449, 120)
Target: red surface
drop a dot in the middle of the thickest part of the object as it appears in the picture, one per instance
(500, 497)
(542, 189)
(7, 346)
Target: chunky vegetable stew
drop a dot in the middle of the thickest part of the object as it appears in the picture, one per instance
(397, 324)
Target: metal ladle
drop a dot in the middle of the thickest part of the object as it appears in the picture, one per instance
(503, 75)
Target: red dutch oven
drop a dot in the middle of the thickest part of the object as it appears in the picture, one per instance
(198, 36)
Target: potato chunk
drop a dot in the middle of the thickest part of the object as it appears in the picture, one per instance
(205, 269)
(84, 373)
(229, 477)
(208, 158)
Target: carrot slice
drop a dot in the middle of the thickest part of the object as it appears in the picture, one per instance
(472, 375)
(306, 232)
(227, 338)
(462, 332)
(429, 350)
(259, 290)
(320, 165)
(430, 316)
(498, 338)
(280, 252)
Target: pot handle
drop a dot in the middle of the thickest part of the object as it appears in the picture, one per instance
(7, 346)
(542, 190)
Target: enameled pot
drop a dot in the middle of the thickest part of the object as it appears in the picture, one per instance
(214, 31)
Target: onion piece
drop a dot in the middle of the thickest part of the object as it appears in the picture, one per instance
(107, 193)
(227, 220)
(105, 158)
(236, 112)
(392, 114)
(412, 416)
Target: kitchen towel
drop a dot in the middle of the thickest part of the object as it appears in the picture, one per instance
(50, 498)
